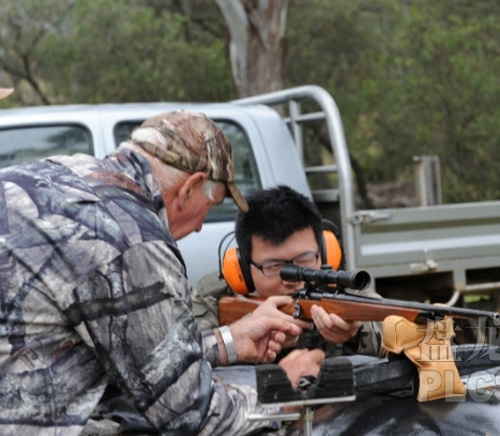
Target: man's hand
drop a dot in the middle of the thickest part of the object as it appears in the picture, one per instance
(302, 362)
(332, 327)
(270, 307)
(258, 339)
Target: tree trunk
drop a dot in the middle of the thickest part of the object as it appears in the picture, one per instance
(257, 46)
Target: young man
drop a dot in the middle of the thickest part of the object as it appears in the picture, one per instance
(93, 291)
(283, 226)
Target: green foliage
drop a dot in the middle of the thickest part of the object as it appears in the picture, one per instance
(410, 77)
(119, 50)
(145, 58)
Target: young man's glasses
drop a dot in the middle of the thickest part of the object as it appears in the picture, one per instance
(272, 267)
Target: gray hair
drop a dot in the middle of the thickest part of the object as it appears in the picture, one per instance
(209, 188)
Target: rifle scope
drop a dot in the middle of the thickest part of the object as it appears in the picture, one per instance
(353, 279)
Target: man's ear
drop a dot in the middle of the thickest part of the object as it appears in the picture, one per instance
(189, 187)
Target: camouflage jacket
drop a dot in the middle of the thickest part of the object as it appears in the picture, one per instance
(211, 288)
(93, 293)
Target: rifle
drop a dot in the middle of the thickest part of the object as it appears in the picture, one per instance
(318, 290)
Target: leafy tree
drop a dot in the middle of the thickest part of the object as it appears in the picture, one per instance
(445, 95)
(118, 50)
(25, 27)
(410, 77)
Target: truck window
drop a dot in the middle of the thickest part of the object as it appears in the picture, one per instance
(247, 177)
(22, 144)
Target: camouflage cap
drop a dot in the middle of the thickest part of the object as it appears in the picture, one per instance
(5, 92)
(191, 142)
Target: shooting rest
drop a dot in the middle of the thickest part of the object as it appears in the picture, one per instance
(341, 379)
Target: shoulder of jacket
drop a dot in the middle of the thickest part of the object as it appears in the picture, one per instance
(211, 285)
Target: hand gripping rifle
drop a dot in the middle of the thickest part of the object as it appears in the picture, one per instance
(326, 288)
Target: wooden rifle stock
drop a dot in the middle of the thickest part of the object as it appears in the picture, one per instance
(350, 308)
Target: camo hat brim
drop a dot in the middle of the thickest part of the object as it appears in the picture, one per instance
(191, 142)
(5, 92)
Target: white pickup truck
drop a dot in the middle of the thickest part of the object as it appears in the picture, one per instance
(446, 253)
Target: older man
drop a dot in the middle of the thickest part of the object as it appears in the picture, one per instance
(93, 289)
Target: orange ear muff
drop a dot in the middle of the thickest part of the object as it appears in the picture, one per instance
(233, 272)
(333, 250)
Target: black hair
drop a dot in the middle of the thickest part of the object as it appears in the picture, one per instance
(274, 215)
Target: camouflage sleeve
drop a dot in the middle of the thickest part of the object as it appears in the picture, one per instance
(135, 314)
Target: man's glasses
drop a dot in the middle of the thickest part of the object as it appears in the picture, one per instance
(272, 267)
